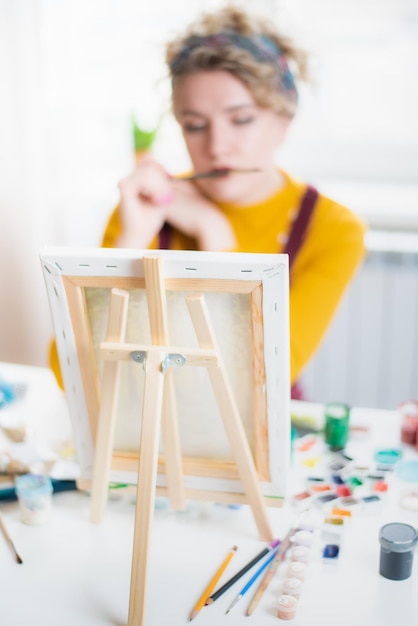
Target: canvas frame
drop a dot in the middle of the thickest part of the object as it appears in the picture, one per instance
(68, 272)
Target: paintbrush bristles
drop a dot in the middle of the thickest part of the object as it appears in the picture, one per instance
(18, 557)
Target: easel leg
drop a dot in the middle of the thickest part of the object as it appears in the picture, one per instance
(147, 477)
(158, 316)
(171, 446)
(118, 313)
(231, 418)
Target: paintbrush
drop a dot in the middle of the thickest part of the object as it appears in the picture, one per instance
(218, 173)
(9, 541)
(272, 568)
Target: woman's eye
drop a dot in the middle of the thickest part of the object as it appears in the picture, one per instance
(240, 121)
(194, 128)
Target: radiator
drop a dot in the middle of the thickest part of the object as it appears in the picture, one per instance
(369, 356)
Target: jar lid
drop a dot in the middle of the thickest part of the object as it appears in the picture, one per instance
(337, 410)
(398, 537)
(35, 484)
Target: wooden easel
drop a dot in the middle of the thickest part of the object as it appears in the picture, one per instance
(159, 410)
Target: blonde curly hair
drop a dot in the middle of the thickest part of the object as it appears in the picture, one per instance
(267, 62)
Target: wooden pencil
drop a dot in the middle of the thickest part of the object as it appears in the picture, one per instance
(9, 541)
(208, 590)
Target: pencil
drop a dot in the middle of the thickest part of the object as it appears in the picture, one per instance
(9, 541)
(202, 600)
(251, 581)
(242, 571)
(281, 551)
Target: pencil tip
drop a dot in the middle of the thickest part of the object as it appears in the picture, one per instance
(18, 559)
(209, 601)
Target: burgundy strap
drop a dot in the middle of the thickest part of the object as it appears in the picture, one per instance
(164, 237)
(296, 238)
(297, 233)
(300, 225)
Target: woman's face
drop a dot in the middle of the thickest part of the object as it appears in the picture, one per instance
(224, 128)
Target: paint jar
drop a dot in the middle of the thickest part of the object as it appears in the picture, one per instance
(337, 417)
(409, 424)
(330, 552)
(397, 543)
(300, 553)
(302, 538)
(292, 587)
(388, 457)
(286, 606)
(409, 501)
(34, 493)
(296, 569)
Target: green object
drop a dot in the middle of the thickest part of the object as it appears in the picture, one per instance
(337, 417)
(143, 139)
(354, 481)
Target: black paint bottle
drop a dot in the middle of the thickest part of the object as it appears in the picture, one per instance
(397, 544)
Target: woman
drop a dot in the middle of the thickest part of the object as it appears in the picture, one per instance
(234, 94)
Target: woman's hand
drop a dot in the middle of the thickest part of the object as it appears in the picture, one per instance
(194, 215)
(144, 194)
(150, 197)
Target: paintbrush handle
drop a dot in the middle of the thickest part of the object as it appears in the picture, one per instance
(9, 541)
(218, 173)
(265, 581)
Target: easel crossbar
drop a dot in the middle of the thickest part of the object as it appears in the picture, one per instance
(111, 351)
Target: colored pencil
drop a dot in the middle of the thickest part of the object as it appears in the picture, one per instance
(9, 541)
(202, 600)
(252, 580)
(271, 570)
(242, 571)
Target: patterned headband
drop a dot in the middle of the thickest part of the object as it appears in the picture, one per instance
(261, 48)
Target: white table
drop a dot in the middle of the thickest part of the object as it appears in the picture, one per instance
(78, 574)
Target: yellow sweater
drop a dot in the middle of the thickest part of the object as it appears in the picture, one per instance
(323, 268)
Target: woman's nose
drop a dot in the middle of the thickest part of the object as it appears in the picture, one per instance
(220, 141)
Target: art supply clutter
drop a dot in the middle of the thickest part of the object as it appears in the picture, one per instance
(331, 476)
(273, 554)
